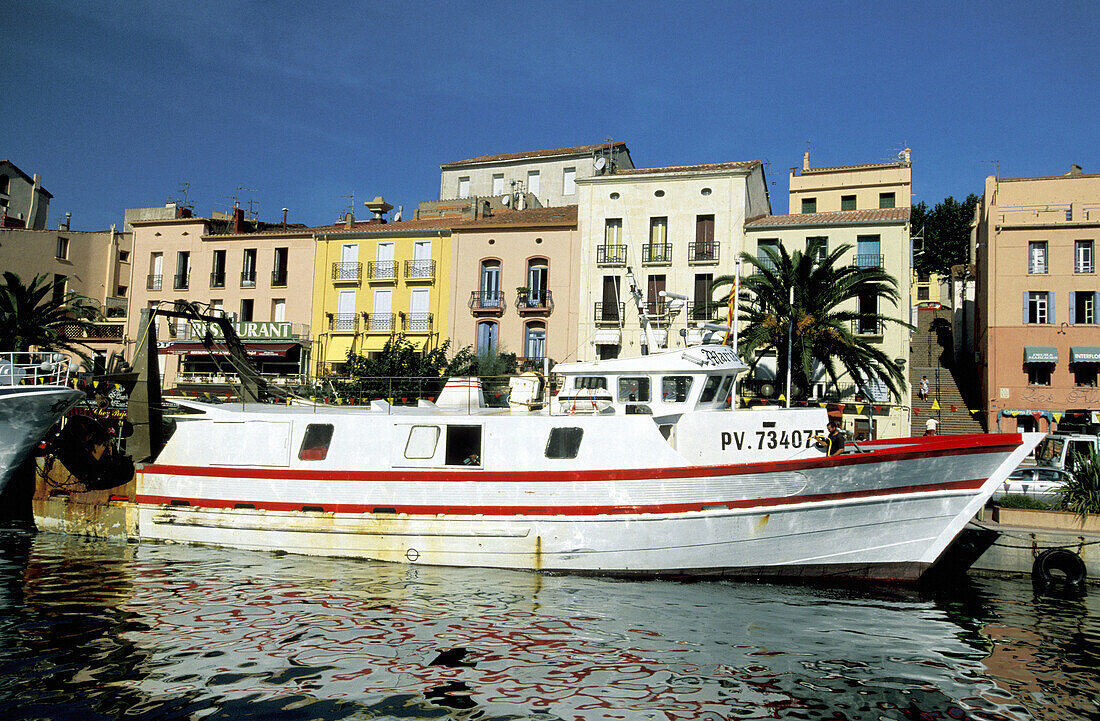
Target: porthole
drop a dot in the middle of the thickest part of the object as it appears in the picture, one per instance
(491, 241)
(658, 193)
(614, 196)
(538, 240)
(705, 191)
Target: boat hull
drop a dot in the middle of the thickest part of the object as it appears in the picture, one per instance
(887, 514)
(26, 415)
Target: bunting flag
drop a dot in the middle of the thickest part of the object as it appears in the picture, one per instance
(823, 405)
(859, 409)
(953, 409)
(936, 404)
(1015, 414)
(974, 411)
(1057, 417)
(782, 398)
(877, 409)
(916, 411)
(744, 400)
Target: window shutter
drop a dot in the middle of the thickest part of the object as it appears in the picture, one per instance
(1096, 307)
(1072, 307)
(1050, 307)
(1025, 308)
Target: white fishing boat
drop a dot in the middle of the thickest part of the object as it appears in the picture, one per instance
(637, 466)
(34, 395)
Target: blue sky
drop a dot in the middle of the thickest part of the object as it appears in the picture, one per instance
(115, 104)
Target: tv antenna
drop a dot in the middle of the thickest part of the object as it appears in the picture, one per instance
(349, 208)
(182, 191)
(996, 167)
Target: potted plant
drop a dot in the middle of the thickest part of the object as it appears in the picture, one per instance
(1081, 492)
(523, 296)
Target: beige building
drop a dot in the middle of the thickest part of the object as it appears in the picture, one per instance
(24, 203)
(877, 239)
(92, 264)
(260, 274)
(550, 176)
(674, 229)
(1038, 296)
(514, 284)
(851, 187)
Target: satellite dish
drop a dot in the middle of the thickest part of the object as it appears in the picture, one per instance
(599, 164)
(506, 199)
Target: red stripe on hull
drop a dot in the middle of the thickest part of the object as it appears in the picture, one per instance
(424, 510)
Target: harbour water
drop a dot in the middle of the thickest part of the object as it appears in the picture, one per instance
(104, 630)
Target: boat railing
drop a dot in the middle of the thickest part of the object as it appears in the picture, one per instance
(35, 368)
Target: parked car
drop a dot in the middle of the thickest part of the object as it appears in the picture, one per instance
(1038, 482)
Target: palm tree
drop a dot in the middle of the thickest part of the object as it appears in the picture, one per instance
(825, 313)
(39, 315)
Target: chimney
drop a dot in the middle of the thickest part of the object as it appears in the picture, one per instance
(806, 160)
(905, 156)
(238, 220)
(1074, 169)
(349, 220)
(378, 208)
(68, 219)
(284, 218)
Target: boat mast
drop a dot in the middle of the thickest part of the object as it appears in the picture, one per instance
(643, 316)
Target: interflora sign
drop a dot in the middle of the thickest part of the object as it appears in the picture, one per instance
(248, 330)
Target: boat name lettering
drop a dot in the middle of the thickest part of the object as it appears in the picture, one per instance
(714, 356)
(769, 439)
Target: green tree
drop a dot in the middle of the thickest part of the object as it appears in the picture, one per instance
(1081, 492)
(826, 307)
(942, 235)
(40, 315)
(399, 370)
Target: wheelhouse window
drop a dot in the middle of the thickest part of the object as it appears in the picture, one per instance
(710, 389)
(675, 389)
(590, 382)
(634, 390)
(315, 442)
(422, 442)
(564, 442)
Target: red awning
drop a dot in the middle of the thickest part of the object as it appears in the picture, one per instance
(257, 350)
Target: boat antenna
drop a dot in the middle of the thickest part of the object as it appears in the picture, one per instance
(643, 315)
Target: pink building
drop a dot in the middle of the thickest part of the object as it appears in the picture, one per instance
(1038, 297)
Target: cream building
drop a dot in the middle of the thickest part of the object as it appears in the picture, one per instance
(549, 175)
(260, 274)
(1038, 298)
(851, 187)
(878, 239)
(672, 229)
(514, 284)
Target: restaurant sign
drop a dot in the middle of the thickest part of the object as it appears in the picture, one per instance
(248, 330)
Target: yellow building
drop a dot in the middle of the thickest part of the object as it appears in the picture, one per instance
(374, 280)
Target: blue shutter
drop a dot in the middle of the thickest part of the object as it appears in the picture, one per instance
(1025, 308)
(1050, 307)
(1072, 307)
(1096, 307)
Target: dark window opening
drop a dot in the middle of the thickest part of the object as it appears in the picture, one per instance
(590, 382)
(564, 442)
(315, 442)
(1038, 374)
(634, 390)
(710, 390)
(1084, 375)
(463, 446)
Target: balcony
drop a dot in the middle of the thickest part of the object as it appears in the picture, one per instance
(488, 302)
(342, 322)
(248, 278)
(868, 261)
(153, 282)
(217, 280)
(416, 322)
(98, 331)
(609, 313)
(610, 255)
(180, 281)
(657, 254)
(278, 278)
(347, 272)
(765, 264)
(535, 302)
(701, 310)
(867, 326)
(378, 323)
(382, 271)
(1083, 266)
(419, 270)
(657, 311)
(703, 252)
(115, 308)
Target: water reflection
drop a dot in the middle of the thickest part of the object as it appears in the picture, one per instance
(96, 629)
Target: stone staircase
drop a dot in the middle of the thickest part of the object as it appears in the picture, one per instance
(931, 354)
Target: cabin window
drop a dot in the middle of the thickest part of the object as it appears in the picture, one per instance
(710, 390)
(315, 442)
(590, 382)
(463, 446)
(675, 389)
(564, 442)
(422, 442)
(634, 390)
(727, 384)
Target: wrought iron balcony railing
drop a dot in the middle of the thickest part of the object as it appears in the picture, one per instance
(180, 281)
(657, 253)
(248, 278)
(867, 326)
(278, 277)
(382, 270)
(609, 312)
(487, 300)
(344, 272)
(703, 252)
(217, 280)
(154, 281)
(421, 269)
(379, 323)
(866, 260)
(611, 254)
(533, 301)
(702, 310)
(417, 323)
(342, 322)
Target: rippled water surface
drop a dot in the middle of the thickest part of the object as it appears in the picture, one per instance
(94, 630)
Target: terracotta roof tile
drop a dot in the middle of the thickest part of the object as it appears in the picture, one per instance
(364, 226)
(564, 215)
(841, 217)
(738, 165)
(577, 150)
